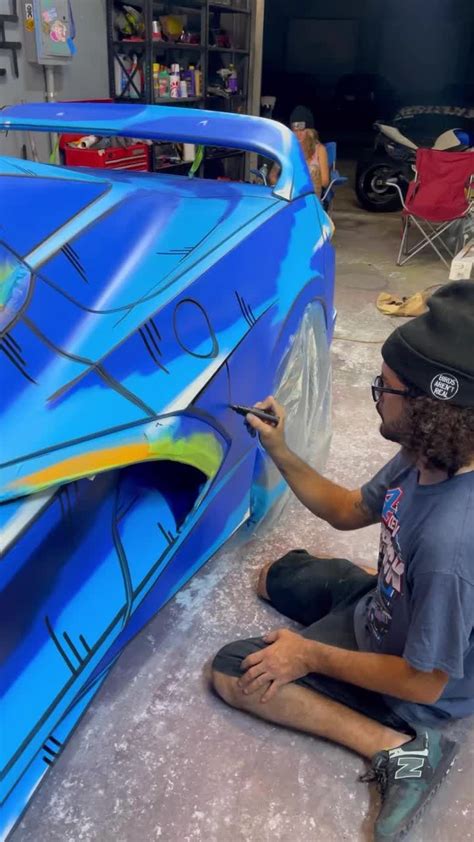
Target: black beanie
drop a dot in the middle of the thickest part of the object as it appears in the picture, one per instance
(302, 115)
(435, 351)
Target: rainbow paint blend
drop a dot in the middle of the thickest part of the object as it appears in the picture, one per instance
(14, 285)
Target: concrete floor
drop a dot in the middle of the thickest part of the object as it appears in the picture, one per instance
(157, 756)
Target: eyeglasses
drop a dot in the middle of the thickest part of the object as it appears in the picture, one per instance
(379, 389)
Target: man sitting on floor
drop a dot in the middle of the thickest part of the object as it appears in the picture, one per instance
(382, 661)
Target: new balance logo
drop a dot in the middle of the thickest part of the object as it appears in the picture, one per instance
(410, 767)
(410, 763)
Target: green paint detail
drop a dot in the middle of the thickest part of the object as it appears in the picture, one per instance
(201, 450)
(7, 282)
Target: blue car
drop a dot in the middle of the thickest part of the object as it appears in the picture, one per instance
(135, 308)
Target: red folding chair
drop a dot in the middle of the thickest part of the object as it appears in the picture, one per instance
(440, 196)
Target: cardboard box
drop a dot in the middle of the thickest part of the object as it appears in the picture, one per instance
(462, 265)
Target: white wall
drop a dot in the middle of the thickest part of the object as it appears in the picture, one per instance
(85, 78)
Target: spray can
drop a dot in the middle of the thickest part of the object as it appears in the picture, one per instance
(164, 83)
(174, 81)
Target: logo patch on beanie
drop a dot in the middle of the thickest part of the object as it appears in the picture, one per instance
(444, 387)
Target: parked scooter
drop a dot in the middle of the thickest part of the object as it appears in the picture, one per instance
(395, 149)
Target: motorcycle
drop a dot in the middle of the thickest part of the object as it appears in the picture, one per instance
(394, 154)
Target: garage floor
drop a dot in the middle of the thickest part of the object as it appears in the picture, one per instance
(157, 756)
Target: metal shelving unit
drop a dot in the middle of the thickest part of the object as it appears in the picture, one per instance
(222, 7)
(203, 17)
(233, 50)
(149, 48)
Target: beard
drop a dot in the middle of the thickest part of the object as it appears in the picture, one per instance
(391, 432)
(397, 431)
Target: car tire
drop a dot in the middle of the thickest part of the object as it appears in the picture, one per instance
(369, 190)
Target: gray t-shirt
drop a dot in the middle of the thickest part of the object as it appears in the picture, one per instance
(423, 606)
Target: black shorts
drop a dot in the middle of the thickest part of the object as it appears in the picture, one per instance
(321, 594)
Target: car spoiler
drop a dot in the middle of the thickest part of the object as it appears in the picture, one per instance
(171, 124)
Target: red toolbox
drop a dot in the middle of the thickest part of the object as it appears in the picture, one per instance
(133, 157)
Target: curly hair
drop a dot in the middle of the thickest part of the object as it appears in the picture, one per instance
(439, 434)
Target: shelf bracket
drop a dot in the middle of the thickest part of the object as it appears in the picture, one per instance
(13, 46)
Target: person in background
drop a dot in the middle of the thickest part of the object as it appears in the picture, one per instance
(302, 124)
(317, 159)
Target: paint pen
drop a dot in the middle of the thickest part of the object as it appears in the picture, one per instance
(269, 417)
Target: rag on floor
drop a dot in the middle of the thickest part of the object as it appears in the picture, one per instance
(393, 305)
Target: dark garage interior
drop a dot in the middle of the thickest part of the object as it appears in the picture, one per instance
(355, 63)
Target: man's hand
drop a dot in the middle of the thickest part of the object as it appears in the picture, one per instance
(340, 507)
(272, 436)
(284, 660)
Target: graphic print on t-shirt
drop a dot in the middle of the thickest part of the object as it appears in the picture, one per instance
(391, 567)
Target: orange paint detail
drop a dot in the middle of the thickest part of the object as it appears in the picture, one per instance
(199, 449)
(87, 464)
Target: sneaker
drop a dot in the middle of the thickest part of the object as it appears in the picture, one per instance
(407, 778)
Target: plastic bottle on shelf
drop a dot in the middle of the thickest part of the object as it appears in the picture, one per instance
(174, 81)
(183, 89)
(156, 82)
(233, 81)
(164, 83)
